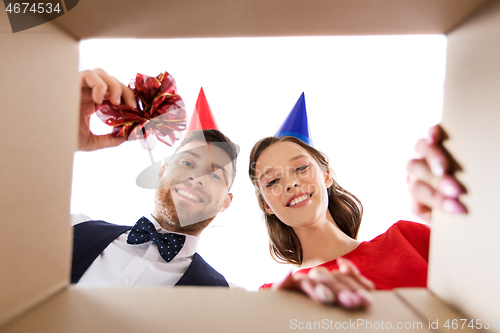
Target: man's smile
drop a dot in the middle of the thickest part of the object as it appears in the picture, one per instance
(188, 194)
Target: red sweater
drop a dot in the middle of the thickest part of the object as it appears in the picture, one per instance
(397, 258)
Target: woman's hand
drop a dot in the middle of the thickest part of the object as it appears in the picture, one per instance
(345, 286)
(97, 85)
(430, 178)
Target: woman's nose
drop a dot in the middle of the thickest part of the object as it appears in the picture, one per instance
(290, 186)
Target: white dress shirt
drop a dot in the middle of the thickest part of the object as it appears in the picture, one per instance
(122, 264)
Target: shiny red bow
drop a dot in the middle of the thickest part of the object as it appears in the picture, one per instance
(160, 111)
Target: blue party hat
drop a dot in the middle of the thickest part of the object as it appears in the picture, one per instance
(296, 124)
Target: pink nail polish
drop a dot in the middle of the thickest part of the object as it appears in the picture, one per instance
(324, 294)
(343, 269)
(349, 299)
(452, 206)
(450, 191)
(364, 295)
(345, 299)
(356, 300)
(436, 167)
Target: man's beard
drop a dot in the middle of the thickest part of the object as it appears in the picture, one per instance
(166, 212)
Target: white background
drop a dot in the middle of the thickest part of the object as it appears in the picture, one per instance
(368, 99)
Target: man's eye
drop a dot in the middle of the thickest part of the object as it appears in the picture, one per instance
(272, 182)
(302, 168)
(186, 163)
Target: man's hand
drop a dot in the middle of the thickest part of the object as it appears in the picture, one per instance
(97, 85)
(346, 286)
(430, 178)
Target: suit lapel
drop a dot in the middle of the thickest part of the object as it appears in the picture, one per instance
(199, 273)
(89, 240)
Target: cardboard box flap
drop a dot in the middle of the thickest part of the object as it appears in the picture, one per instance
(250, 18)
(39, 86)
(465, 251)
(194, 309)
(435, 313)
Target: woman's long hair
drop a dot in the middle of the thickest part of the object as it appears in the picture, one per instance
(344, 207)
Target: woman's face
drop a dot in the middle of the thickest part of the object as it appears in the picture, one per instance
(293, 185)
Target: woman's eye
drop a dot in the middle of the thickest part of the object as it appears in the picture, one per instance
(302, 168)
(186, 163)
(215, 176)
(272, 182)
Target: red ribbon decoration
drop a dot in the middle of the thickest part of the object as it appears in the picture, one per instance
(161, 112)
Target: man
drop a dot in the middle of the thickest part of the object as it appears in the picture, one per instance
(191, 189)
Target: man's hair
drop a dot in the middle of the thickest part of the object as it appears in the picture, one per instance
(216, 138)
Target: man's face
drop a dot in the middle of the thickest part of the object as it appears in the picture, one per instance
(194, 186)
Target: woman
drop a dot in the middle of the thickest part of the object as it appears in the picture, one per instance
(312, 221)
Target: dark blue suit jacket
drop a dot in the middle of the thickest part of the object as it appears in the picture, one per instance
(92, 237)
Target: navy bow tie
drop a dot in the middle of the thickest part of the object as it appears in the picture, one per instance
(169, 244)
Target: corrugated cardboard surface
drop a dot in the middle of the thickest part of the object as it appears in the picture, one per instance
(241, 18)
(191, 309)
(39, 96)
(433, 311)
(465, 251)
